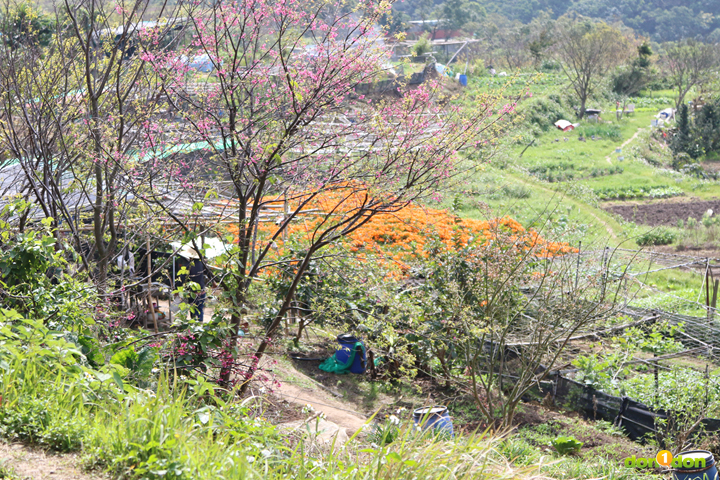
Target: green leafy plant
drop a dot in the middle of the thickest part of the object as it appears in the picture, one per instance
(34, 281)
(566, 445)
(554, 172)
(628, 193)
(659, 340)
(592, 370)
(138, 364)
(685, 396)
(6, 472)
(385, 432)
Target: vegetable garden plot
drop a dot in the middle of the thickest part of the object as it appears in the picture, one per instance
(658, 381)
(653, 371)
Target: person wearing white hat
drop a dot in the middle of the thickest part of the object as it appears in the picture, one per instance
(196, 274)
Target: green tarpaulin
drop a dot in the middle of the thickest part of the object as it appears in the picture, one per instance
(332, 365)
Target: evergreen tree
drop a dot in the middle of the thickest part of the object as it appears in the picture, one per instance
(707, 128)
(630, 79)
(681, 139)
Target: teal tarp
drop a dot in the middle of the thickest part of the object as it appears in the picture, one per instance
(332, 365)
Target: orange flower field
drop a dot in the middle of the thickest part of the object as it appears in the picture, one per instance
(397, 239)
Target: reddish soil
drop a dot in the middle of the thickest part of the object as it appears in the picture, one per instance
(664, 212)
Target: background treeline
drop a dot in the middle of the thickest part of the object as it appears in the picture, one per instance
(662, 20)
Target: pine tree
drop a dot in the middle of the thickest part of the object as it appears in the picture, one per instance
(707, 128)
(681, 141)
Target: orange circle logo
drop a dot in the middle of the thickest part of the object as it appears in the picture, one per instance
(664, 458)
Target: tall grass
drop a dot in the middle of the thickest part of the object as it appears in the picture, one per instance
(601, 130)
(185, 430)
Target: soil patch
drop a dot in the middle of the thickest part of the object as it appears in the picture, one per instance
(531, 414)
(304, 392)
(711, 166)
(596, 442)
(31, 464)
(702, 251)
(279, 410)
(663, 213)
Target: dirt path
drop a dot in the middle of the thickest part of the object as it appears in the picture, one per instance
(626, 142)
(30, 464)
(610, 231)
(336, 411)
(600, 221)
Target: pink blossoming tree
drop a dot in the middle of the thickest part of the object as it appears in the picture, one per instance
(281, 123)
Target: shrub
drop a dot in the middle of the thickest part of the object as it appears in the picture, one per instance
(658, 236)
(685, 395)
(422, 46)
(550, 66)
(34, 281)
(543, 112)
(43, 421)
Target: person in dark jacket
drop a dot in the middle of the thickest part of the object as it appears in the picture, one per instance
(197, 275)
(196, 294)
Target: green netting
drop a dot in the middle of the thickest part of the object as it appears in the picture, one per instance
(332, 365)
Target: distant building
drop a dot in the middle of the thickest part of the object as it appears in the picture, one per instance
(443, 47)
(432, 27)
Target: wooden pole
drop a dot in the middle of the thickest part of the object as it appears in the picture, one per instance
(657, 378)
(528, 146)
(122, 279)
(577, 271)
(371, 364)
(707, 384)
(707, 288)
(151, 309)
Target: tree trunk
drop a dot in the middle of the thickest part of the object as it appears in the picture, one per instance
(583, 102)
(301, 328)
(277, 321)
